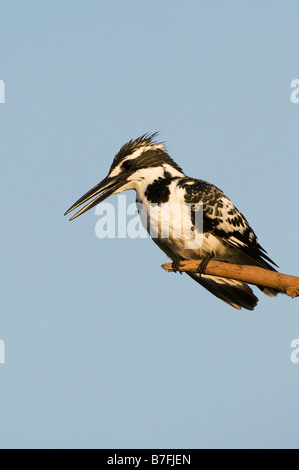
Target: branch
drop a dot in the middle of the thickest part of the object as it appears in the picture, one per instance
(252, 274)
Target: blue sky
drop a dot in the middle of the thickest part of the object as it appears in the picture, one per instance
(102, 347)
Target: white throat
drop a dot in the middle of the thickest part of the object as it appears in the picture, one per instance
(145, 176)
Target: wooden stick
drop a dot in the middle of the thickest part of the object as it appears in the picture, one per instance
(252, 274)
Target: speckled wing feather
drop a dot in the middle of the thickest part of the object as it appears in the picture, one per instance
(222, 219)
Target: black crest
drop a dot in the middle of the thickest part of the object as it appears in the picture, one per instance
(151, 158)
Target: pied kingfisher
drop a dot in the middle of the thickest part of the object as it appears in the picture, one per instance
(145, 166)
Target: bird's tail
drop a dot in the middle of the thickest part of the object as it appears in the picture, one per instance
(261, 260)
(269, 291)
(262, 263)
(235, 293)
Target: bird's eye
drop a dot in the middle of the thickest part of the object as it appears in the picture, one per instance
(127, 165)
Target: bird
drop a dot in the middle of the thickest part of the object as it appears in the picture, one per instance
(162, 188)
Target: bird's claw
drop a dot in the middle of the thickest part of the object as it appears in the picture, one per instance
(203, 265)
(176, 266)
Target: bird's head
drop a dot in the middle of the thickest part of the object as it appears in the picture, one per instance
(137, 161)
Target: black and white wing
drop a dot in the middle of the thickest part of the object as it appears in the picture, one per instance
(222, 219)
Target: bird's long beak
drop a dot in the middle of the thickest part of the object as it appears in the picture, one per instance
(104, 189)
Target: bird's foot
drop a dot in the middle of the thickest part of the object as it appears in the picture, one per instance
(202, 267)
(176, 266)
